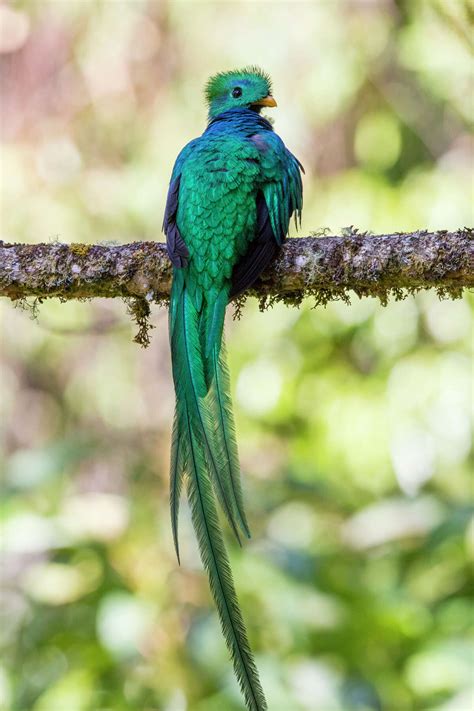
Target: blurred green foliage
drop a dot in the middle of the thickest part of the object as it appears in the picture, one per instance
(353, 421)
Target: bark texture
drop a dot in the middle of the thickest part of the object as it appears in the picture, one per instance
(323, 266)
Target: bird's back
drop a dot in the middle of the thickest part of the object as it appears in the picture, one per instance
(217, 212)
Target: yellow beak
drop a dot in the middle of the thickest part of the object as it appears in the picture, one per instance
(266, 101)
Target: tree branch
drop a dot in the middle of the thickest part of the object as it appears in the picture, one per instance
(326, 267)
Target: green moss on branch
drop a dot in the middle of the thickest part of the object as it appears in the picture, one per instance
(325, 268)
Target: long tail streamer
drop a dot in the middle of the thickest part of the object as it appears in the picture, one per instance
(204, 452)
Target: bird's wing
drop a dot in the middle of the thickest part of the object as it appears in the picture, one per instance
(283, 192)
(280, 197)
(177, 250)
(261, 251)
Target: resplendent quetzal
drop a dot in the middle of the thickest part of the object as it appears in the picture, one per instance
(231, 195)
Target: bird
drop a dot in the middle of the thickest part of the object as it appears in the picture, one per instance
(231, 195)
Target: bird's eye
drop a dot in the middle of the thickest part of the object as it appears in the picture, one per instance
(236, 92)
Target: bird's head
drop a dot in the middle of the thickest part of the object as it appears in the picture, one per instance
(248, 88)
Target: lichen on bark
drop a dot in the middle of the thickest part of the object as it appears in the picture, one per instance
(322, 267)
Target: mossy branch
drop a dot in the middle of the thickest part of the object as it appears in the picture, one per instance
(325, 267)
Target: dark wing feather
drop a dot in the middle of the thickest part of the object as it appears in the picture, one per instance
(177, 250)
(261, 251)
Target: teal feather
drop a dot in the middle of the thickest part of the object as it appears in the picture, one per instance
(193, 428)
(216, 562)
(177, 470)
(221, 406)
(191, 389)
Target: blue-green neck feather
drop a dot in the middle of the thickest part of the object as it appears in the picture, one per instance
(236, 120)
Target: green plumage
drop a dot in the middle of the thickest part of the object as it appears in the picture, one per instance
(231, 196)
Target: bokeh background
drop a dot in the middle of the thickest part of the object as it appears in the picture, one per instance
(353, 420)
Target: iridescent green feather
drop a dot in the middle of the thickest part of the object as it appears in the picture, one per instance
(220, 403)
(192, 427)
(211, 223)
